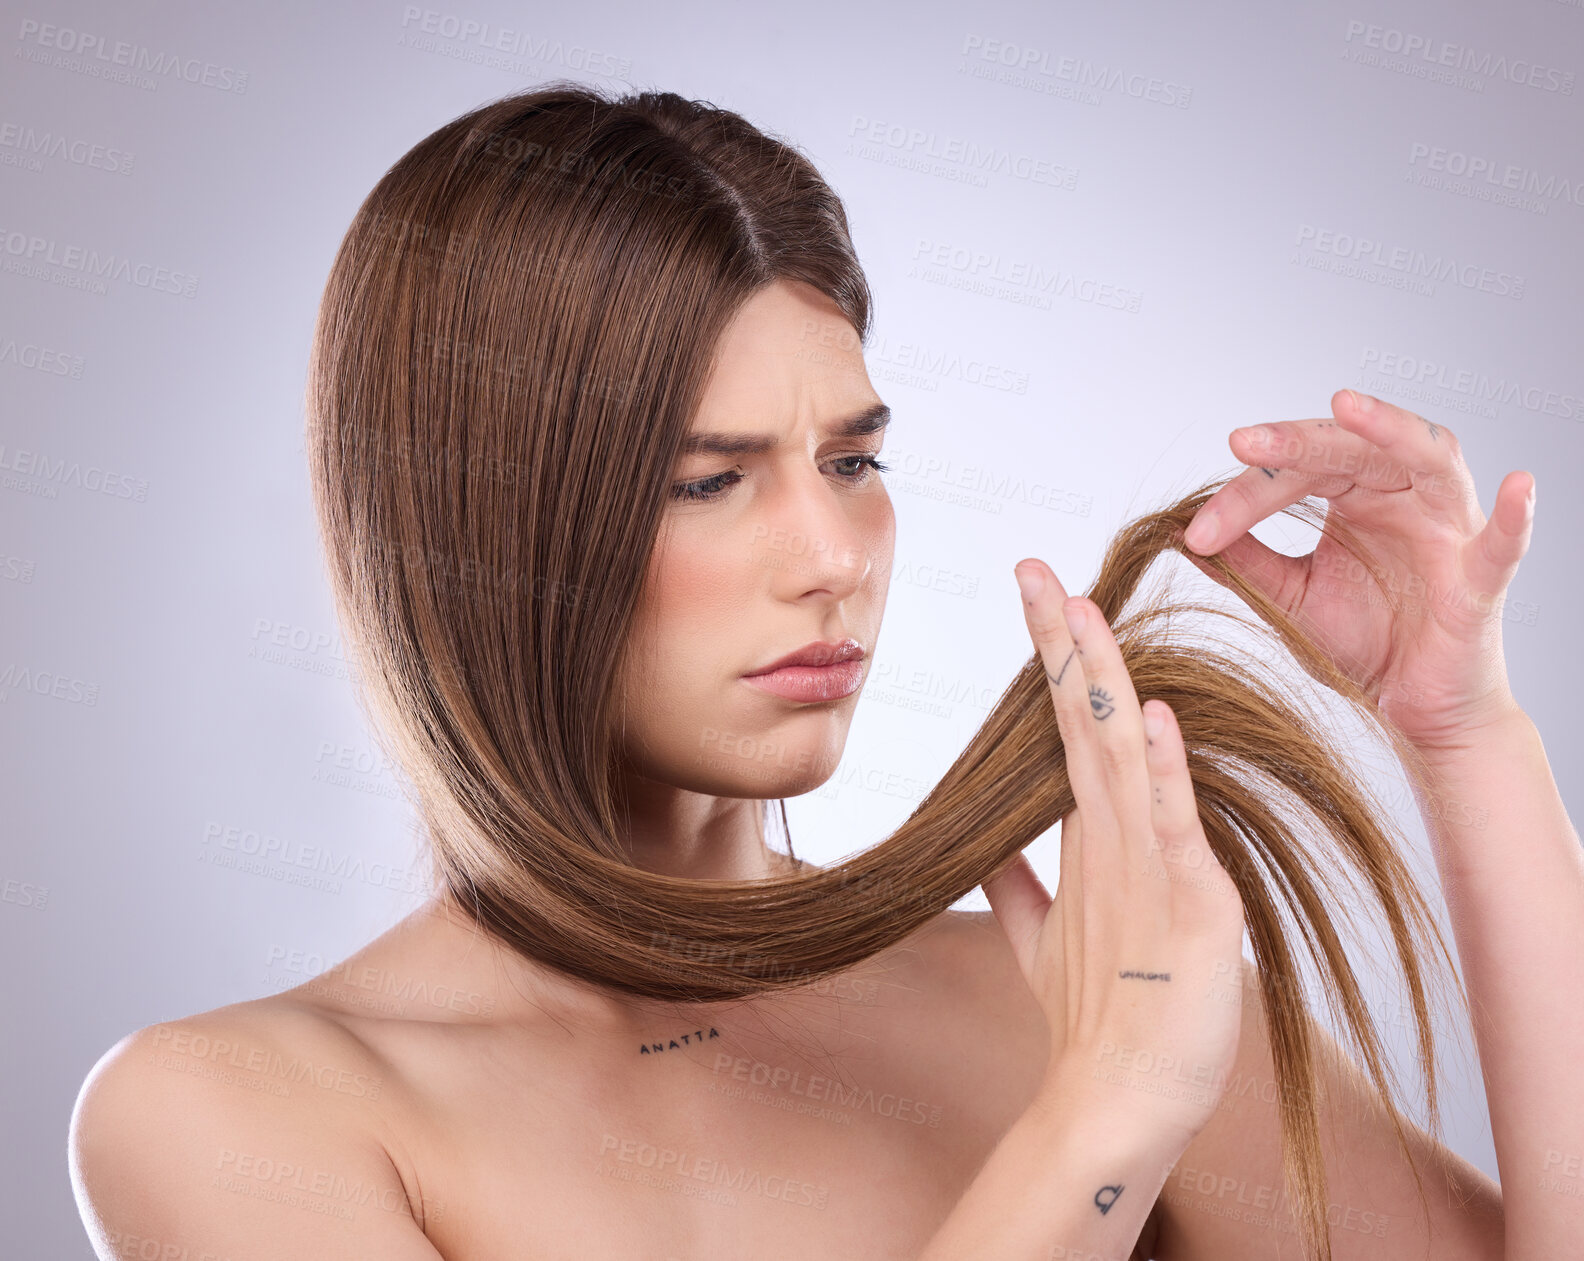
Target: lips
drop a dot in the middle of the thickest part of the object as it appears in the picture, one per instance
(810, 684)
(817, 653)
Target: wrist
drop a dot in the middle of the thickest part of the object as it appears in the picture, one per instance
(1075, 1097)
(1476, 736)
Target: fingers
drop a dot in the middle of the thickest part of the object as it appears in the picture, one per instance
(1281, 579)
(1042, 600)
(1115, 733)
(1499, 547)
(1291, 459)
(1370, 444)
(1180, 851)
(1069, 887)
(1020, 903)
(1410, 439)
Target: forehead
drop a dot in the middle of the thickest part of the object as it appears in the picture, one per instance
(789, 350)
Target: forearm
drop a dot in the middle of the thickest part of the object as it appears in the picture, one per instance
(1513, 876)
(1039, 1195)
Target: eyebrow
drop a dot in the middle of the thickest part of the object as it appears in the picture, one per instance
(870, 420)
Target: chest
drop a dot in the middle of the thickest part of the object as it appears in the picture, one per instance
(737, 1142)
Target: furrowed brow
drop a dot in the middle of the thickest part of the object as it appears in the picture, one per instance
(870, 420)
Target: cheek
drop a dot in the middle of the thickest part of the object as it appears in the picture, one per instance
(879, 534)
(696, 578)
(693, 612)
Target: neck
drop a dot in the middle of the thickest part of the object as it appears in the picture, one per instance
(696, 836)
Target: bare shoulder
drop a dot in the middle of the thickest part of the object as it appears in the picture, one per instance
(975, 951)
(983, 1016)
(259, 1124)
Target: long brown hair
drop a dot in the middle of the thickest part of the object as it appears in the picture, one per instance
(514, 335)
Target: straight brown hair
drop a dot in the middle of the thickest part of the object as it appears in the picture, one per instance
(514, 335)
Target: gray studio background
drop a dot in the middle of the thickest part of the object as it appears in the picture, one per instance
(1250, 209)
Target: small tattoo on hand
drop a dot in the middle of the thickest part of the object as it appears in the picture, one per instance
(1271, 473)
(1433, 430)
(1063, 670)
(1100, 702)
(1144, 976)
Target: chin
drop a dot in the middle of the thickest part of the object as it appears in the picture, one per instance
(764, 763)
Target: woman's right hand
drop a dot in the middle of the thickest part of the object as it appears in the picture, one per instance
(1138, 961)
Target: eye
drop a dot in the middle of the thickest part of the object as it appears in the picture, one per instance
(865, 463)
(707, 488)
(714, 487)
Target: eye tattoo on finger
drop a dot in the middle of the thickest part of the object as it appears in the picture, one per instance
(1100, 701)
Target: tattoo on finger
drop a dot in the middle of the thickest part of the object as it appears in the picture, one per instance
(1100, 701)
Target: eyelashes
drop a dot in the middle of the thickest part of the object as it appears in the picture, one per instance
(714, 487)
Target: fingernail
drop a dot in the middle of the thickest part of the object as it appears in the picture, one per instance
(1077, 617)
(1154, 720)
(1364, 401)
(1257, 437)
(1201, 533)
(1030, 581)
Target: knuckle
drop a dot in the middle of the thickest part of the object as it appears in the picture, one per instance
(1045, 626)
(1121, 753)
(1287, 444)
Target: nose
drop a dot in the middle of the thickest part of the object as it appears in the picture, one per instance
(811, 539)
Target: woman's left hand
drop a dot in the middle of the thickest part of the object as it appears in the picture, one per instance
(1435, 668)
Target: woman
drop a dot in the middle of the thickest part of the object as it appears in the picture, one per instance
(533, 300)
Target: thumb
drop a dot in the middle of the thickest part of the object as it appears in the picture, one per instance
(1278, 577)
(1020, 903)
(1499, 547)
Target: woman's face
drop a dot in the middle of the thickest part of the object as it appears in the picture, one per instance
(765, 552)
